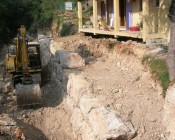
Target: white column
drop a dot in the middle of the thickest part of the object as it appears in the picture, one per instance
(145, 14)
(95, 17)
(80, 15)
(116, 15)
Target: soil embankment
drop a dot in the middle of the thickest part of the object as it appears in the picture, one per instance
(121, 83)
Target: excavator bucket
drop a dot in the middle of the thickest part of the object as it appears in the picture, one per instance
(28, 95)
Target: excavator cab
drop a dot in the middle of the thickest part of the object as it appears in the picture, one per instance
(33, 49)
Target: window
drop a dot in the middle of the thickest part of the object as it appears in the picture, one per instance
(156, 3)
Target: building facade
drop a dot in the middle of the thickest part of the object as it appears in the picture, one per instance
(144, 19)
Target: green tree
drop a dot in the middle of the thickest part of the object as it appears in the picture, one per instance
(33, 14)
(14, 13)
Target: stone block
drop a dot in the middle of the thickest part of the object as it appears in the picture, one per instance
(87, 103)
(107, 125)
(70, 103)
(56, 46)
(77, 123)
(78, 86)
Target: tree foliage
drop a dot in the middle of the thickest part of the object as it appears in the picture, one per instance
(31, 13)
(14, 13)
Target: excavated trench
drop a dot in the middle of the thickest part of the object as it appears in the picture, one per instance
(117, 82)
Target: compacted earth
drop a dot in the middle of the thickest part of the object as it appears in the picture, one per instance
(120, 82)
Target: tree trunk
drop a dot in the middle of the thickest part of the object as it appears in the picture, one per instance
(171, 49)
(171, 52)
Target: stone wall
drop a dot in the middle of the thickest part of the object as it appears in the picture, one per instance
(90, 119)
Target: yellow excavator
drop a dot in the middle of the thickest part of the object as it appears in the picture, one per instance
(23, 61)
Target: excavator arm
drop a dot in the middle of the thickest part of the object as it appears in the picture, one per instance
(25, 77)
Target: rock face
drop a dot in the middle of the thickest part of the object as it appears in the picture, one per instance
(70, 59)
(169, 112)
(7, 125)
(77, 86)
(91, 120)
(5, 88)
(55, 46)
(44, 49)
(1, 100)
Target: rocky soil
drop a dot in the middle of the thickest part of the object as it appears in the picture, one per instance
(121, 83)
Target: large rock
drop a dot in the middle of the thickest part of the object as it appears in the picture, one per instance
(77, 123)
(55, 46)
(69, 59)
(90, 119)
(107, 125)
(78, 86)
(87, 103)
(88, 133)
(44, 49)
(81, 128)
(6, 87)
(57, 72)
(7, 125)
(169, 112)
(70, 103)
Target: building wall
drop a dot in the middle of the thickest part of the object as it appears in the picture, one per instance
(137, 15)
(153, 17)
(99, 9)
(163, 22)
(158, 21)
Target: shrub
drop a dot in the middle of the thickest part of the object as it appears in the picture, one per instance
(68, 29)
(159, 71)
